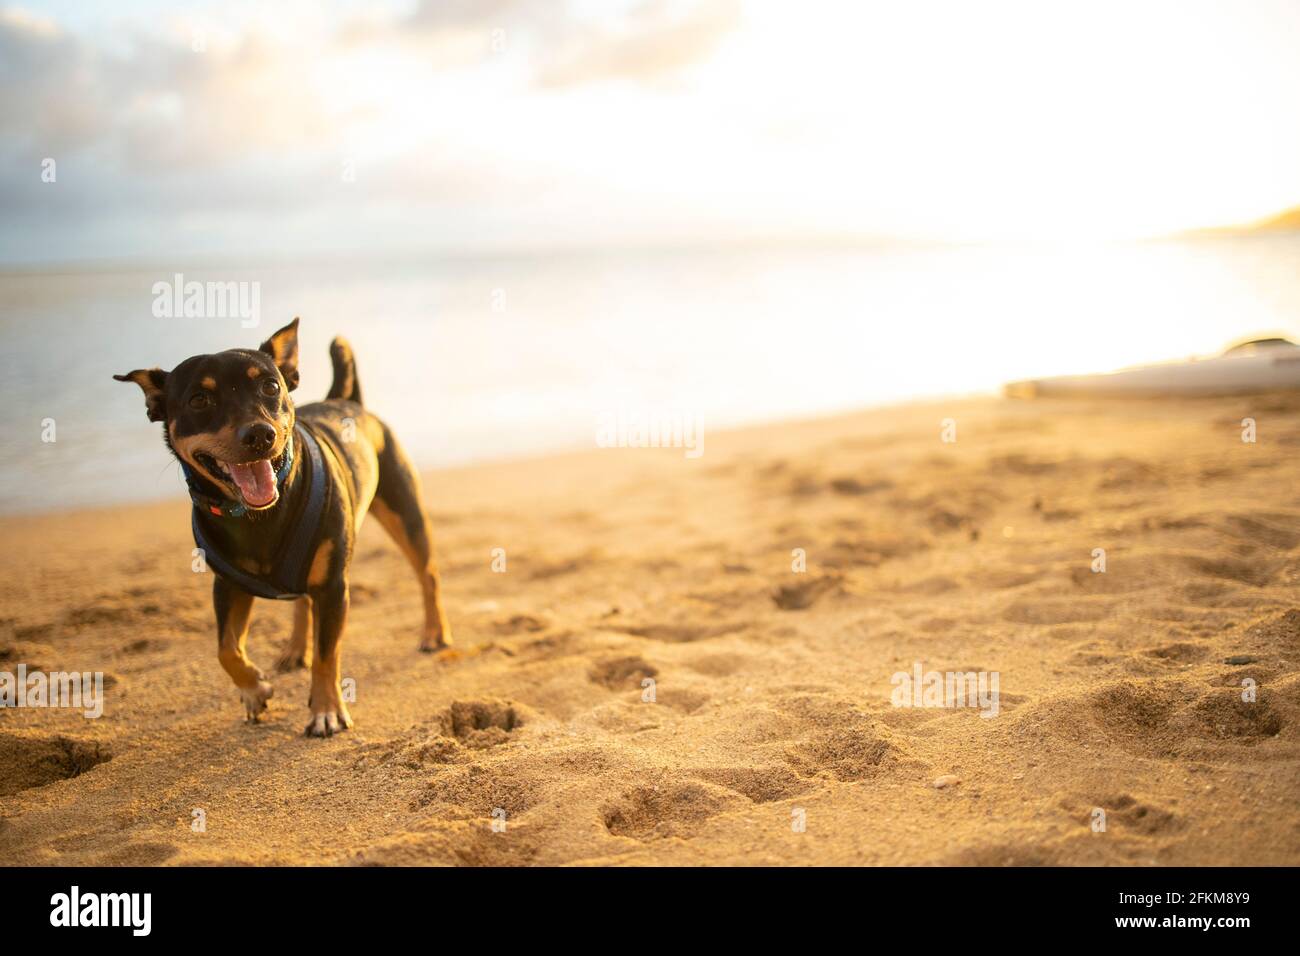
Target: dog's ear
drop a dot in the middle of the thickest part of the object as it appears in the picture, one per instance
(283, 349)
(153, 382)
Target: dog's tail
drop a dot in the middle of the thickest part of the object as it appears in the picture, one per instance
(346, 384)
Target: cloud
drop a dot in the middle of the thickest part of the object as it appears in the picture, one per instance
(643, 41)
(153, 102)
(159, 105)
(236, 148)
(655, 41)
(48, 85)
(439, 15)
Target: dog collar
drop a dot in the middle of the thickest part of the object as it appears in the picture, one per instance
(224, 507)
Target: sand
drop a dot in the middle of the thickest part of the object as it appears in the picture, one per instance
(771, 737)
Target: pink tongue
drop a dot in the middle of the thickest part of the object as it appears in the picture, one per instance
(256, 481)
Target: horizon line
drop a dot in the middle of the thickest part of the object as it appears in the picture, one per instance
(1285, 220)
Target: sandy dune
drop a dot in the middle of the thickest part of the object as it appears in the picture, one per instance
(772, 688)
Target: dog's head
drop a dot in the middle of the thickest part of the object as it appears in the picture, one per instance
(228, 416)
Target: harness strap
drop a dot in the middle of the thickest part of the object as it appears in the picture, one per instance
(288, 577)
(297, 554)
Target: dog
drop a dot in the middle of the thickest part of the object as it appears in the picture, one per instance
(279, 495)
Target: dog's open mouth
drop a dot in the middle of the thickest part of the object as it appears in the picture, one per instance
(255, 480)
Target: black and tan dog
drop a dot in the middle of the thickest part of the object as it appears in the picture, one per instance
(279, 495)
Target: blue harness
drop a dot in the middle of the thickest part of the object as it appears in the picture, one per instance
(292, 563)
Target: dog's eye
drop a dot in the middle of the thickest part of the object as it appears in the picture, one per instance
(269, 387)
(200, 400)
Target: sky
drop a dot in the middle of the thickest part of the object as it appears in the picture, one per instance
(243, 129)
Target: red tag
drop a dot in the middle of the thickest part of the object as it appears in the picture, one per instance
(214, 509)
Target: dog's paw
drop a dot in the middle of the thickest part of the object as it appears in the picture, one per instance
(292, 660)
(434, 641)
(328, 723)
(255, 699)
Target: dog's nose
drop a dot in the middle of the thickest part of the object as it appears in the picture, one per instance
(257, 437)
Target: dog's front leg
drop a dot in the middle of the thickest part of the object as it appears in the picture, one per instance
(329, 715)
(234, 607)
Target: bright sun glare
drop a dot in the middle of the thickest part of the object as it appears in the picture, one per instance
(951, 120)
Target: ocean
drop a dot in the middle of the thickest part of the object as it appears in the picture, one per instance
(479, 358)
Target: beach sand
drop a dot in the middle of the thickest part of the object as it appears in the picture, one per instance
(771, 737)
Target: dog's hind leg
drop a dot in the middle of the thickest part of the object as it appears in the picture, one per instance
(234, 608)
(399, 508)
(297, 653)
